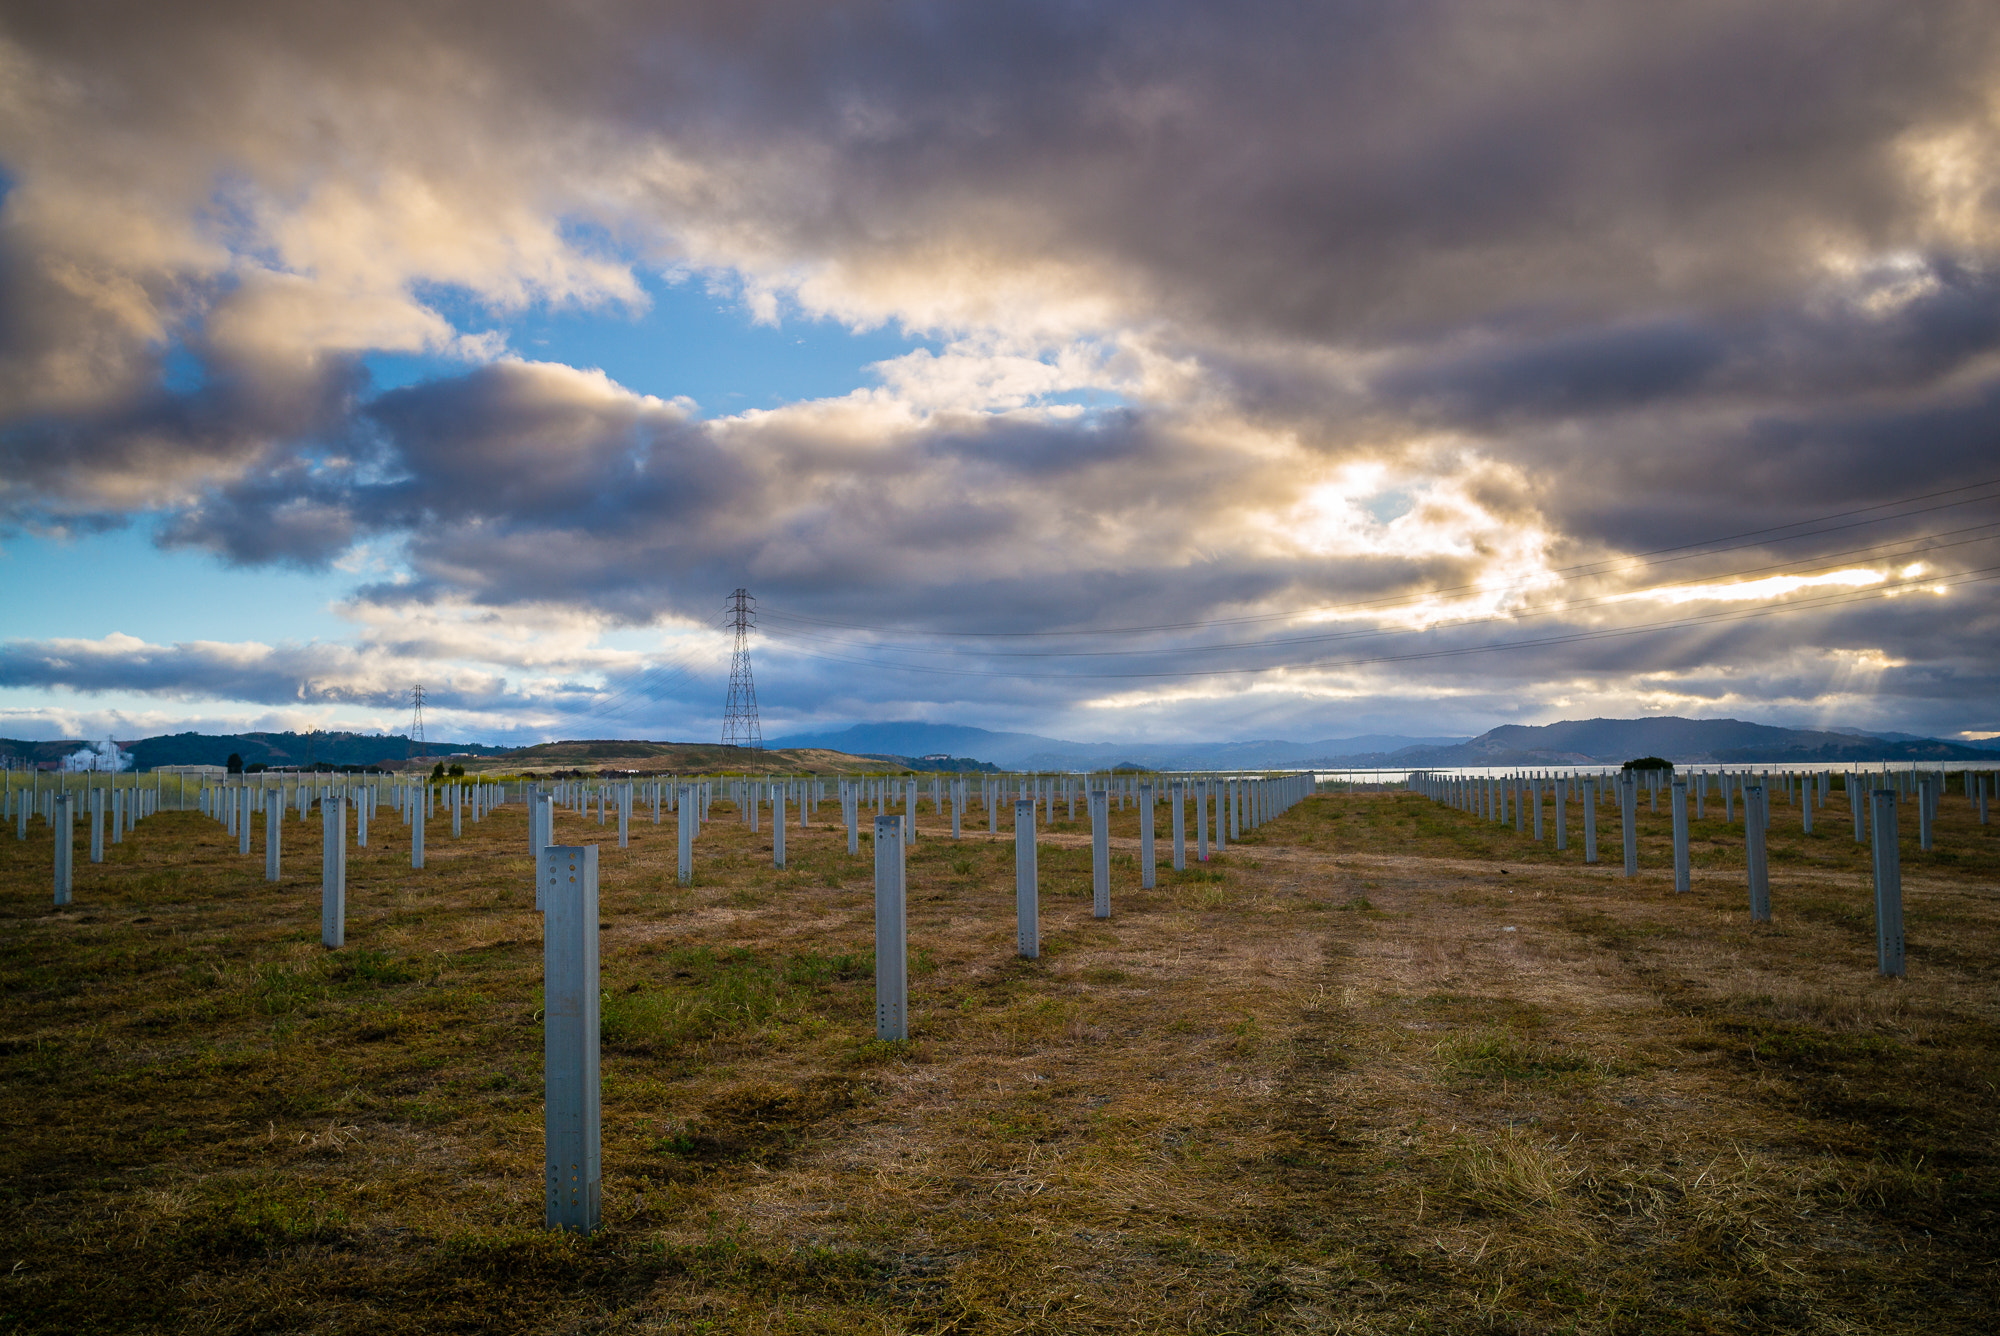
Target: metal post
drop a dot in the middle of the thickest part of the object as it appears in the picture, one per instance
(1100, 853)
(1562, 813)
(417, 829)
(850, 806)
(1925, 789)
(1178, 790)
(571, 1122)
(1146, 836)
(1888, 885)
(243, 819)
(892, 946)
(1628, 812)
(1201, 821)
(1027, 883)
(1680, 806)
(1755, 861)
(541, 834)
(64, 824)
(777, 825)
(274, 826)
(333, 872)
(96, 824)
(1535, 786)
(689, 808)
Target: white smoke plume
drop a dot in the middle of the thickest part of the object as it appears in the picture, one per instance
(105, 756)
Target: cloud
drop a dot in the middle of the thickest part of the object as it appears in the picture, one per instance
(1575, 284)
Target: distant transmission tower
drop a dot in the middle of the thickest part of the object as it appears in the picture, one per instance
(417, 722)
(739, 716)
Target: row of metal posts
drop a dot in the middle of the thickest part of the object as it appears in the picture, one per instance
(123, 807)
(1488, 796)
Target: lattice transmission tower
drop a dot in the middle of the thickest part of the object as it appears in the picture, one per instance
(417, 722)
(739, 715)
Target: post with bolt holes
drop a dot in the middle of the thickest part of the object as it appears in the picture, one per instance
(777, 825)
(1680, 811)
(1027, 884)
(1179, 801)
(1756, 859)
(571, 1122)
(1146, 836)
(1100, 853)
(688, 810)
(1888, 884)
(1628, 816)
(64, 823)
(274, 827)
(333, 872)
(541, 833)
(892, 943)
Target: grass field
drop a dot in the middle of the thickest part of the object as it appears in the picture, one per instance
(1380, 1067)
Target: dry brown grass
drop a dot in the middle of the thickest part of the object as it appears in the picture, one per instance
(1318, 1085)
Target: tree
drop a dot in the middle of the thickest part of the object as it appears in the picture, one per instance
(235, 763)
(437, 771)
(1649, 763)
(457, 772)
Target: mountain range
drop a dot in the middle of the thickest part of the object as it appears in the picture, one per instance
(271, 749)
(1571, 742)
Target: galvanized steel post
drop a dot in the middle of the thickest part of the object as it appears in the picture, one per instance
(1680, 808)
(333, 873)
(1100, 853)
(1628, 813)
(892, 948)
(1027, 886)
(1146, 877)
(1756, 863)
(1888, 862)
(571, 1122)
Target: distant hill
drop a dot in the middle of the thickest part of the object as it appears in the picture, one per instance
(1697, 741)
(1571, 742)
(686, 758)
(921, 746)
(1032, 751)
(270, 749)
(912, 738)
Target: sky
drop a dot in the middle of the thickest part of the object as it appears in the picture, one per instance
(1154, 372)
